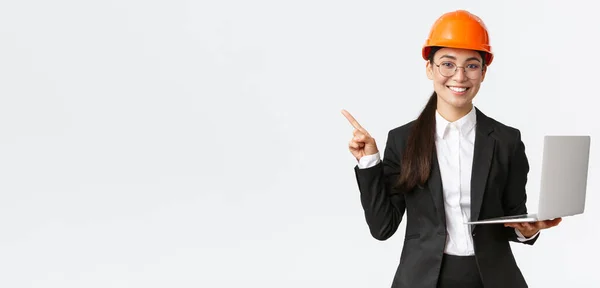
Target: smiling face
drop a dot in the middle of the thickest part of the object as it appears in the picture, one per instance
(456, 75)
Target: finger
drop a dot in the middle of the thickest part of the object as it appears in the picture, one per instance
(357, 132)
(361, 138)
(552, 223)
(361, 133)
(517, 225)
(356, 144)
(529, 226)
(352, 121)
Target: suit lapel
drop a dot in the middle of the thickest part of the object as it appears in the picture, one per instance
(482, 160)
(435, 187)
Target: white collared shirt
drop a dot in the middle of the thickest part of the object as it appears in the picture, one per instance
(455, 144)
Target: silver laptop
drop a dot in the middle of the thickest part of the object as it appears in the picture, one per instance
(564, 180)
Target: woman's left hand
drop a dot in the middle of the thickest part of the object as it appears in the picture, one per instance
(529, 229)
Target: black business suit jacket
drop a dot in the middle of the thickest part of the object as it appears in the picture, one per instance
(498, 180)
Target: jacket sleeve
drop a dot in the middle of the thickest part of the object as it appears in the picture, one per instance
(515, 196)
(383, 208)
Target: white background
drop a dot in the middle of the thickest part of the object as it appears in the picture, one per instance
(201, 144)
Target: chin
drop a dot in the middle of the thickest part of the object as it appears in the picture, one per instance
(457, 102)
(461, 104)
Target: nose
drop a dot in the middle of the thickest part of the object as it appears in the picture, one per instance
(460, 75)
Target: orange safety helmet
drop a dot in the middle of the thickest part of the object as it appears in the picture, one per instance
(459, 29)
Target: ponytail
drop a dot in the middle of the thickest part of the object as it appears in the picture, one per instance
(418, 154)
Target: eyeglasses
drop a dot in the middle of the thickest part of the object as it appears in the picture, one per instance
(448, 69)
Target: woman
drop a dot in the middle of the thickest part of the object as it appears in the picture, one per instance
(450, 165)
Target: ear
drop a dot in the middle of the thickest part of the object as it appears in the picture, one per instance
(429, 70)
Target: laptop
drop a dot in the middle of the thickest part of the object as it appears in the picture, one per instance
(563, 183)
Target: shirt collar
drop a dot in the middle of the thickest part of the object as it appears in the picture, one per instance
(465, 124)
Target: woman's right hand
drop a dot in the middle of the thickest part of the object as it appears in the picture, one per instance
(362, 143)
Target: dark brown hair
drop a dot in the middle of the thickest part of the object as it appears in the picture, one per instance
(420, 146)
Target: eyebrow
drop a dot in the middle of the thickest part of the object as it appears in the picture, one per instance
(454, 58)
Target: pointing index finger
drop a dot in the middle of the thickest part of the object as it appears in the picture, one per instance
(352, 120)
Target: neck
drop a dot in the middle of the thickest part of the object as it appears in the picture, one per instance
(453, 113)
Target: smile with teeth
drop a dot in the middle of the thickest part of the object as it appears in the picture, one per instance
(458, 89)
